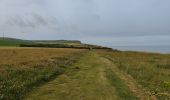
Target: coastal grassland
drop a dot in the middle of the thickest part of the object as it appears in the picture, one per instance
(15, 55)
(9, 43)
(150, 70)
(90, 78)
(22, 69)
(5, 42)
(121, 88)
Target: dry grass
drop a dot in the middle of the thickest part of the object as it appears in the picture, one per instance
(22, 69)
(150, 70)
(13, 55)
(84, 80)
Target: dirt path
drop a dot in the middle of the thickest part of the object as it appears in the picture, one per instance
(85, 80)
(131, 83)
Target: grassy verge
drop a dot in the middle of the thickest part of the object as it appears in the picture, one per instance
(17, 80)
(121, 88)
(150, 70)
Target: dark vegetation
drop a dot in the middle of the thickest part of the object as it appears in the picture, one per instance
(82, 46)
(12, 42)
(48, 44)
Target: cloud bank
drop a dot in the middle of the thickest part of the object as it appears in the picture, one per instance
(108, 22)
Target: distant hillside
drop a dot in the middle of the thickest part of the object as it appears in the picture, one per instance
(48, 43)
(64, 45)
(5, 41)
(73, 42)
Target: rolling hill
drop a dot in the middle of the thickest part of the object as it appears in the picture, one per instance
(5, 41)
(48, 43)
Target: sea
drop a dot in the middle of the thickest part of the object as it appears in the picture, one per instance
(156, 49)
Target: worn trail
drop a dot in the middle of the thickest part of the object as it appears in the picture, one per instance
(84, 80)
(134, 87)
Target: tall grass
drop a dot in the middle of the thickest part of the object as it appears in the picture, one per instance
(15, 55)
(150, 70)
(18, 79)
(121, 88)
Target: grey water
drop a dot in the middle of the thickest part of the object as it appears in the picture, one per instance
(156, 49)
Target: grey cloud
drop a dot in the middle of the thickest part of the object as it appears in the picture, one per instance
(85, 19)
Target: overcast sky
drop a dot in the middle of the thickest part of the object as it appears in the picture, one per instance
(106, 22)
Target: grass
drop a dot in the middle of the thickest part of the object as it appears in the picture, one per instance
(5, 42)
(13, 42)
(121, 88)
(151, 70)
(9, 43)
(84, 80)
(15, 55)
(19, 77)
(69, 42)
(87, 79)
(72, 74)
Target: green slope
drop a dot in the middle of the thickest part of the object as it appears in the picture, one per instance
(6, 42)
(71, 42)
(11, 41)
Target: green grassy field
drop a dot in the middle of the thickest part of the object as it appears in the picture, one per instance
(79, 74)
(11, 42)
(84, 80)
(6, 42)
(22, 69)
(150, 70)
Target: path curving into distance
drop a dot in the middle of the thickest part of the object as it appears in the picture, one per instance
(91, 78)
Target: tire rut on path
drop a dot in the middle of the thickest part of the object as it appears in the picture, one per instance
(84, 80)
(131, 83)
